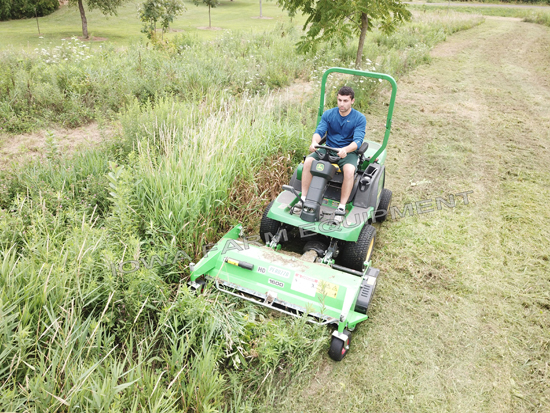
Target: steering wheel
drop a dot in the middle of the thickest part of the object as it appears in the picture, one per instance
(326, 156)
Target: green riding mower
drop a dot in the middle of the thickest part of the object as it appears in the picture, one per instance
(333, 281)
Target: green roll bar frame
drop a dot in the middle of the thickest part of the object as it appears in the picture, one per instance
(364, 74)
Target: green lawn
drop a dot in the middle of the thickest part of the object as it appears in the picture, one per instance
(126, 27)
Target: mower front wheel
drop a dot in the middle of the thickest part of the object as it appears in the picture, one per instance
(200, 285)
(338, 347)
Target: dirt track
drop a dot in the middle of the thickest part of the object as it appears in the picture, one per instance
(461, 319)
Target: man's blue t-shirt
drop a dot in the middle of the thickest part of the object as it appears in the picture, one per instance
(342, 130)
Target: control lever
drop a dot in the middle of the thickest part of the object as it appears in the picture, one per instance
(364, 182)
(291, 189)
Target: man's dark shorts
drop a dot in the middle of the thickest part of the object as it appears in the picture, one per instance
(351, 158)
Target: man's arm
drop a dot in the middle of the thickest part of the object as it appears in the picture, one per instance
(322, 128)
(314, 141)
(342, 153)
(359, 132)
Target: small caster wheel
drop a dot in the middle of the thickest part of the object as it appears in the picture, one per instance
(339, 345)
(198, 286)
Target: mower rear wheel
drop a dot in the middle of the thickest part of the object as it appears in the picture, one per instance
(338, 348)
(354, 254)
(384, 206)
(268, 226)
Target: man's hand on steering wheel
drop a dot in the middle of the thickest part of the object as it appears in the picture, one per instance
(312, 147)
(342, 153)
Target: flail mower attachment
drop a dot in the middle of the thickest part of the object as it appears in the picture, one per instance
(326, 294)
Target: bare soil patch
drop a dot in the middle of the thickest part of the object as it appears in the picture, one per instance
(300, 91)
(209, 28)
(29, 146)
(91, 39)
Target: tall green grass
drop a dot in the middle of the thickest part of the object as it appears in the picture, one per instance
(539, 17)
(78, 333)
(72, 84)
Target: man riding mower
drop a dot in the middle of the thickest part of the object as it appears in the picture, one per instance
(333, 282)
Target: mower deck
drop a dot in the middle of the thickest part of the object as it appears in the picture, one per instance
(284, 283)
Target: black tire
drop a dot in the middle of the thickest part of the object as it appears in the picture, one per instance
(318, 246)
(201, 285)
(268, 226)
(354, 254)
(295, 182)
(338, 348)
(384, 206)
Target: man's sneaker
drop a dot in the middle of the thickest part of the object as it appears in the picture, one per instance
(340, 211)
(339, 215)
(297, 208)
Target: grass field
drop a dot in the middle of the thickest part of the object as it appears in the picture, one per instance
(125, 28)
(194, 126)
(539, 15)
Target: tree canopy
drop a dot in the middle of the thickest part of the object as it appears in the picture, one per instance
(342, 19)
(20, 9)
(163, 11)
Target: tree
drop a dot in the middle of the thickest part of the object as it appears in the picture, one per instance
(209, 3)
(105, 6)
(152, 11)
(342, 19)
(20, 9)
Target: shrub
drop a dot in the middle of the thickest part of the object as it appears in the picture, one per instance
(20, 9)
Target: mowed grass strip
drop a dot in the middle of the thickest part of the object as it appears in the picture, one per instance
(539, 15)
(461, 313)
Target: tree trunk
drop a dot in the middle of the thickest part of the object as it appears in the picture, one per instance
(364, 27)
(209, 19)
(261, 8)
(37, 25)
(84, 21)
